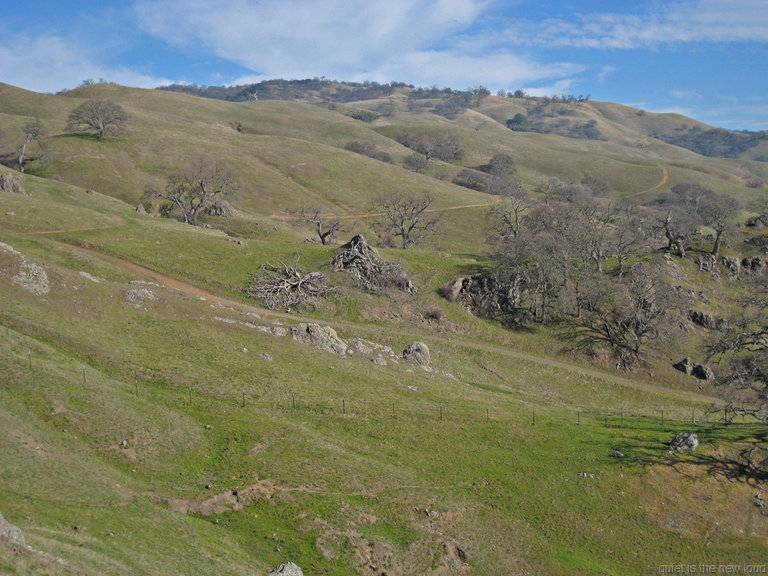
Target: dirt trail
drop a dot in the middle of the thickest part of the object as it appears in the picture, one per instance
(664, 180)
(198, 292)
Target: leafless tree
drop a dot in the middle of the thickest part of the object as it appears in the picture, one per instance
(742, 350)
(324, 226)
(104, 117)
(34, 131)
(718, 211)
(283, 286)
(625, 317)
(406, 217)
(200, 185)
(507, 216)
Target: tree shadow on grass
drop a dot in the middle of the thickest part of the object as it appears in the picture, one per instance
(747, 463)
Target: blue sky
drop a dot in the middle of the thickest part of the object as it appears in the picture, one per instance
(707, 59)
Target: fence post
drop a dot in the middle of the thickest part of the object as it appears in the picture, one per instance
(578, 418)
(293, 400)
(83, 375)
(441, 412)
(487, 416)
(190, 395)
(29, 354)
(533, 415)
(393, 409)
(243, 398)
(662, 416)
(136, 385)
(693, 416)
(343, 406)
(621, 422)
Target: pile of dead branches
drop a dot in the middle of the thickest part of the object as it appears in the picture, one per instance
(284, 286)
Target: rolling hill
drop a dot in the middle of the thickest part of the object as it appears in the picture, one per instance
(155, 421)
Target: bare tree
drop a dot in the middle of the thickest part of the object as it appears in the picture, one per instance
(283, 286)
(507, 216)
(104, 117)
(719, 211)
(324, 226)
(625, 317)
(34, 131)
(742, 351)
(406, 217)
(201, 184)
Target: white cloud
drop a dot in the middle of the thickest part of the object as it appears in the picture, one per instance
(686, 95)
(413, 41)
(57, 64)
(677, 22)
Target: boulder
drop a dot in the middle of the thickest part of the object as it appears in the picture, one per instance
(703, 372)
(321, 337)
(10, 533)
(487, 295)
(685, 365)
(418, 353)
(684, 442)
(706, 320)
(289, 569)
(700, 371)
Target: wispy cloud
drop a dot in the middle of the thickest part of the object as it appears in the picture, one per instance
(676, 22)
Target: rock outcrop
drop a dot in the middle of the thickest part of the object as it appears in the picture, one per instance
(288, 569)
(418, 353)
(487, 295)
(700, 371)
(10, 533)
(321, 337)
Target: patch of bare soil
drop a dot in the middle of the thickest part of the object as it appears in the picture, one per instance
(222, 502)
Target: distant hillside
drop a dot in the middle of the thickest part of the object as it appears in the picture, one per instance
(546, 115)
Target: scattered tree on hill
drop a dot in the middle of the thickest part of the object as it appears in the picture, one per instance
(719, 211)
(368, 149)
(198, 186)
(439, 145)
(104, 117)
(624, 318)
(324, 226)
(519, 123)
(34, 131)
(743, 353)
(406, 217)
(507, 216)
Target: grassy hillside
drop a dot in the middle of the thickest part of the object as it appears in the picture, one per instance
(153, 421)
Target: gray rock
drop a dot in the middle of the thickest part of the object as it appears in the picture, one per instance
(10, 533)
(684, 442)
(703, 372)
(685, 365)
(33, 278)
(321, 337)
(418, 353)
(706, 320)
(289, 569)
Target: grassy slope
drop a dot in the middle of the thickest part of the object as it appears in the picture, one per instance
(347, 490)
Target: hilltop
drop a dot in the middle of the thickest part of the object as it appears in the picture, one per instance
(155, 420)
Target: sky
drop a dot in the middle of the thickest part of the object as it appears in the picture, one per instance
(706, 59)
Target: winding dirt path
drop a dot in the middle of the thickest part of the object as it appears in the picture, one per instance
(664, 180)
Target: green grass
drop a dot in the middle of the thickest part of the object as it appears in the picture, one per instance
(492, 452)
